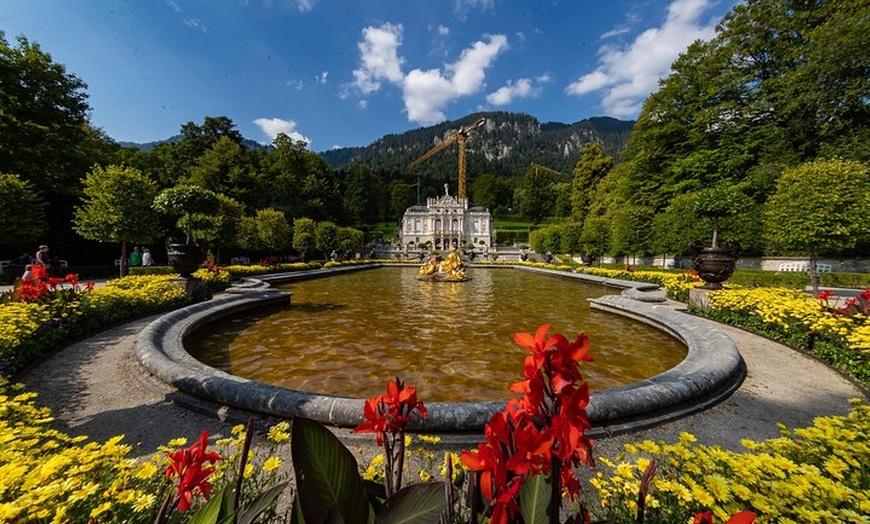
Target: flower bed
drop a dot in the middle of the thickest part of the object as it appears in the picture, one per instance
(814, 474)
(839, 336)
(38, 317)
(49, 476)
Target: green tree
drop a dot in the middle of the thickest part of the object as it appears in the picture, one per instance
(193, 206)
(492, 192)
(304, 240)
(117, 208)
(401, 198)
(23, 217)
(363, 192)
(350, 240)
(592, 166)
(536, 196)
(595, 237)
(678, 226)
(819, 207)
(326, 237)
(226, 168)
(45, 137)
(221, 230)
(268, 231)
(178, 158)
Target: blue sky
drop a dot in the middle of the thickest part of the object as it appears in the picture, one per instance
(346, 73)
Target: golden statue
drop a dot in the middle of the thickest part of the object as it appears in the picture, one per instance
(451, 269)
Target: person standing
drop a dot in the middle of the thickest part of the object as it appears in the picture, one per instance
(42, 257)
(146, 257)
(135, 257)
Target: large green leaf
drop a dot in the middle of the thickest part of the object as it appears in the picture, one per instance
(215, 510)
(534, 497)
(260, 504)
(327, 475)
(415, 504)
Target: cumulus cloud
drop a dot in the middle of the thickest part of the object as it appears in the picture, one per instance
(627, 75)
(272, 126)
(443, 30)
(424, 92)
(321, 78)
(380, 58)
(522, 88)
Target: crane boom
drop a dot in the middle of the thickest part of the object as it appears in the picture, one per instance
(460, 137)
(547, 169)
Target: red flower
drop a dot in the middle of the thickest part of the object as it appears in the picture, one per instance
(187, 465)
(391, 412)
(825, 295)
(743, 517)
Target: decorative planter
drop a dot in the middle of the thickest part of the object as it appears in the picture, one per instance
(184, 258)
(587, 259)
(714, 264)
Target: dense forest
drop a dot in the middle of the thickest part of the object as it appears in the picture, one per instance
(761, 132)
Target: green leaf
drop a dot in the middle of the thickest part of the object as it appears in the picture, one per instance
(415, 504)
(534, 497)
(213, 511)
(296, 512)
(260, 504)
(326, 474)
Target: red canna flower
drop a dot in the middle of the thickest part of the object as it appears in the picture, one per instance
(189, 467)
(375, 412)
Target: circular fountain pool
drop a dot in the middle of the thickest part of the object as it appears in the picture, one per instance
(348, 334)
(711, 370)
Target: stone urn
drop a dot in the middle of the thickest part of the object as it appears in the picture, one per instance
(184, 258)
(587, 259)
(714, 264)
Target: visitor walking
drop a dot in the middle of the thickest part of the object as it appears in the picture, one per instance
(135, 257)
(42, 257)
(146, 257)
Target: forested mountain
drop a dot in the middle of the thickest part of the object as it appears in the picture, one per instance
(507, 145)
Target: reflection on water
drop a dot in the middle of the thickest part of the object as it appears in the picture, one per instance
(346, 335)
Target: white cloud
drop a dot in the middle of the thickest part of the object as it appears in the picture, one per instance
(295, 83)
(425, 93)
(272, 126)
(614, 32)
(522, 88)
(443, 30)
(461, 7)
(627, 75)
(380, 59)
(173, 5)
(321, 78)
(195, 23)
(304, 5)
(469, 70)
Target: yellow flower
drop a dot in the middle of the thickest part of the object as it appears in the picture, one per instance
(271, 464)
(278, 432)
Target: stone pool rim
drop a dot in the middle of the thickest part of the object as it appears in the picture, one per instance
(710, 372)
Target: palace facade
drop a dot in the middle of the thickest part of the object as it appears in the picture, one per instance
(446, 222)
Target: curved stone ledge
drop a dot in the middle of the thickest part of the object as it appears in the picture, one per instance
(712, 370)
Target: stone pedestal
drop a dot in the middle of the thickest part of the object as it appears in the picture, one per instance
(700, 297)
(194, 288)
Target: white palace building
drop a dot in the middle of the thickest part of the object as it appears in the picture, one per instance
(446, 222)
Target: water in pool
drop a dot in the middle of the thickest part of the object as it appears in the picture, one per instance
(348, 334)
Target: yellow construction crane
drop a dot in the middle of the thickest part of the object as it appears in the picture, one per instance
(547, 169)
(460, 137)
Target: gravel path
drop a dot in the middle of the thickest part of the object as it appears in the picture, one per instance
(95, 388)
